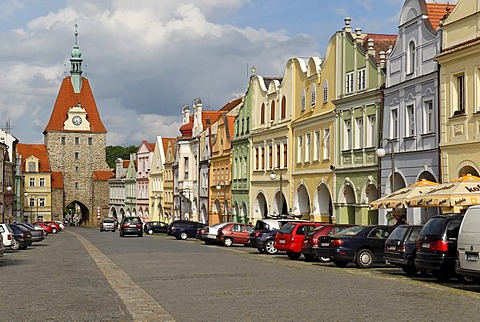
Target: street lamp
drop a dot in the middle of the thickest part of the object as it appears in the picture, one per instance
(36, 199)
(273, 176)
(25, 194)
(221, 184)
(381, 153)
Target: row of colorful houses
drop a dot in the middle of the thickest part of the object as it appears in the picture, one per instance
(308, 143)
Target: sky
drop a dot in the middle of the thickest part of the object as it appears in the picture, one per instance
(145, 59)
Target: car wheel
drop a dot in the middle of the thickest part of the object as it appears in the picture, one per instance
(121, 234)
(23, 246)
(183, 235)
(269, 247)
(293, 256)
(101, 230)
(207, 242)
(340, 263)
(140, 235)
(364, 258)
(466, 279)
(324, 259)
(16, 245)
(54, 230)
(150, 232)
(309, 258)
(261, 250)
(409, 270)
(228, 242)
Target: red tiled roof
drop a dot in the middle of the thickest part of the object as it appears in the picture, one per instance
(37, 150)
(152, 146)
(231, 122)
(436, 12)
(381, 42)
(165, 143)
(57, 180)
(67, 99)
(187, 129)
(231, 105)
(102, 175)
(125, 163)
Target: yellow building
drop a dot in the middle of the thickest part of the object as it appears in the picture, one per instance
(37, 178)
(460, 92)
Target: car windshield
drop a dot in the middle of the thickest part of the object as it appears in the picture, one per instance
(287, 228)
(317, 228)
(261, 225)
(398, 233)
(352, 231)
(435, 226)
(414, 234)
(111, 221)
(133, 220)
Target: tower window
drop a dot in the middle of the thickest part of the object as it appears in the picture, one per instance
(62, 140)
(77, 155)
(77, 141)
(90, 141)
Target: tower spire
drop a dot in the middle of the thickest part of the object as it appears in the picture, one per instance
(76, 64)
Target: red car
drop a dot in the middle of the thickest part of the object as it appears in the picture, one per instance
(234, 233)
(55, 227)
(45, 227)
(290, 237)
(311, 239)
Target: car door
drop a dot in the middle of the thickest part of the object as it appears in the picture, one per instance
(301, 232)
(376, 239)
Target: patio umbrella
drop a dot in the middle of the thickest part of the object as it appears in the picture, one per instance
(458, 193)
(398, 198)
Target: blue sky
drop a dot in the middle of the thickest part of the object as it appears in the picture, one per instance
(146, 58)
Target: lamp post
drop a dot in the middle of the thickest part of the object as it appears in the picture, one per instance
(221, 184)
(273, 176)
(36, 200)
(25, 194)
(381, 153)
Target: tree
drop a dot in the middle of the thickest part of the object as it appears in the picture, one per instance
(115, 152)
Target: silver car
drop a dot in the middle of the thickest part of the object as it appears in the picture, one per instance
(108, 224)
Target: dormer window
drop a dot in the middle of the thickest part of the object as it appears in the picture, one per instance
(31, 166)
(411, 63)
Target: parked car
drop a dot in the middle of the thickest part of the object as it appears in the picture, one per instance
(7, 235)
(234, 233)
(2, 247)
(311, 239)
(209, 235)
(183, 229)
(437, 246)
(46, 229)
(290, 237)
(401, 247)
(22, 235)
(55, 227)
(363, 245)
(468, 245)
(131, 226)
(37, 233)
(156, 227)
(263, 238)
(60, 224)
(108, 224)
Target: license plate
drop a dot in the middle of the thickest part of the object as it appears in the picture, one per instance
(425, 245)
(281, 241)
(132, 225)
(392, 247)
(472, 257)
(324, 244)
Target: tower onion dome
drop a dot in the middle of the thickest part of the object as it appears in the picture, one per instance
(76, 53)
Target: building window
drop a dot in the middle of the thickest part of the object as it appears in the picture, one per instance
(371, 132)
(429, 117)
(32, 182)
(325, 91)
(62, 140)
(279, 156)
(307, 147)
(303, 100)
(349, 83)
(31, 166)
(270, 157)
(347, 143)
(256, 159)
(247, 125)
(411, 58)
(77, 155)
(361, 79)
(285, 155)
(284, 107)
(186, 168)
(359, 133)
(262, 156)
(316, 147)
(410, 120)
(460, 94)
(77, 185)
(42, 182)
(41, 202)
(262, 114)
(313, 93)
(326, 144)
(299, 147)
(90, 141)
(394, 123)
(31, 202)
(272, 111)
(77, 141)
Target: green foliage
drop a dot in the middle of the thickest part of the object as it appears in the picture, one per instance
(115, 152)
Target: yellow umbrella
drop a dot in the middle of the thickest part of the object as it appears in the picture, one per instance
(398, 198)
(461, 192)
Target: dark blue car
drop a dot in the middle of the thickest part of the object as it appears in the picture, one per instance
(183, 229)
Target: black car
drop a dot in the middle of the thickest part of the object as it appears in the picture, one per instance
(401, 247)
(37, 234)
(437, 246)
(156, 227)
(131, 226)
(23, 237)
(363, 245)
(263, 238)
(183, 229)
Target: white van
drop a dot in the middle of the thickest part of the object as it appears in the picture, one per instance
(468, 262)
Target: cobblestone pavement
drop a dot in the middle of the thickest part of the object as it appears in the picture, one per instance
(84, 275)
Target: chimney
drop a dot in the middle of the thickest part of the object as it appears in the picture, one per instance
(371, 50)
(185, 114)
(358, 35)
(382, 59)
(347, 27)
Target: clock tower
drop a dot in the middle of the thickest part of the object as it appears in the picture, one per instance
(75, 138)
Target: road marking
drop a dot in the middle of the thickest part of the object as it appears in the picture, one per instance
(140, 305)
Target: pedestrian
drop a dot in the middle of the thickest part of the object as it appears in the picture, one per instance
(402, 220)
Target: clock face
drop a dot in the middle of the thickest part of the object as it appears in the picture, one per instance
(77, 120)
